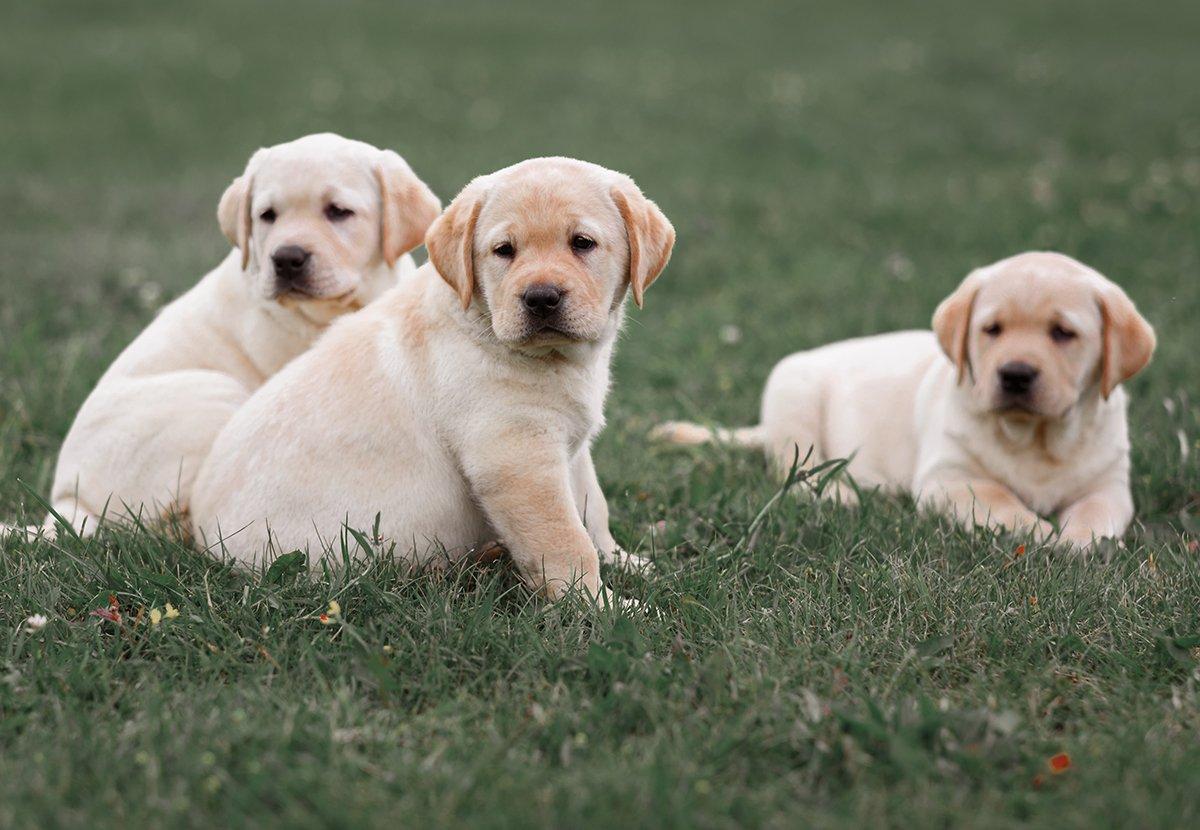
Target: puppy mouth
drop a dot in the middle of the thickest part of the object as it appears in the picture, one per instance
(1013, 403)
(1022, 408)
(547, 334)
(306, 293)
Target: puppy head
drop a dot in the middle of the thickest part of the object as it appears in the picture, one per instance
(316, 219)
(1034, 333)
(548, 247)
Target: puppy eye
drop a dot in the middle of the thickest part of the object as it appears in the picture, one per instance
(267, 215)
(992, 329)
(1061, 335)
(579, 242)
(504, 250)
(336, 214)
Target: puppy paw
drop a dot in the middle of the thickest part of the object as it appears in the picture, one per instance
(839, 492)
(621, 558)
(610, 599)
(1081, 540)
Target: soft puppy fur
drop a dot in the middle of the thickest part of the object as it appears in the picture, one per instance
(1011, 409)
(460, 407)
(321, 226)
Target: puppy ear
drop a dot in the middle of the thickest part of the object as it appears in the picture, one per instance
(952, 322)
(408, 206)
(451, 242)
(1127, 339)
(651, 236)
(233, 212)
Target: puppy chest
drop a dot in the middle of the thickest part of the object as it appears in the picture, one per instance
(1045, 483)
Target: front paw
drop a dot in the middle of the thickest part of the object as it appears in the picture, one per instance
(621, 558)
(629, 605)
(1040, 530)
(1043, 530)
(1082, 539)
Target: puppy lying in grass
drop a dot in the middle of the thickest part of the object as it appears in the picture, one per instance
(460, 407)
(1025, 419)
(321, 226)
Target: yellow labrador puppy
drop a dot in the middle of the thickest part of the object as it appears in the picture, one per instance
(321, 226)
(460, 407)
(1025, 419)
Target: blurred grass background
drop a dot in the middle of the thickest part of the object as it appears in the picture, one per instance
(831, 171)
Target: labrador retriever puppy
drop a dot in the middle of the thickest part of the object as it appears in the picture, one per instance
(460, 407)
(321, 227)
(1009, 410)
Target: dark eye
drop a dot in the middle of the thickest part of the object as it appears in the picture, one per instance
(504, 250)
(579, 242)
(336, 214)
(267, 215)
(1060, 334)
(992, 329)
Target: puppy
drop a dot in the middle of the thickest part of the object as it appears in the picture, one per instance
(1026, 417)
(321, 226)
(460, 407)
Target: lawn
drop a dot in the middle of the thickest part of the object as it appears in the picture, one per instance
(832, 170)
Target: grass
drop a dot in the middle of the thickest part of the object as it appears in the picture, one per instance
(831, 172)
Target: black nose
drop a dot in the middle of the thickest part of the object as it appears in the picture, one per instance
(290, 261)
(1017, 377)
(541, 300)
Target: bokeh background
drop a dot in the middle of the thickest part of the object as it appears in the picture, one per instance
(832, 170)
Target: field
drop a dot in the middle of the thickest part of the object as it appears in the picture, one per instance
(832, 170)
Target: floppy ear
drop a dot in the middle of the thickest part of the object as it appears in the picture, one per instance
(451, 242)
(952, 322)
(1127, 340)
(651, 236)
(408, 206)
(233, 212)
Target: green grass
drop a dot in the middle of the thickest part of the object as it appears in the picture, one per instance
(832, 170)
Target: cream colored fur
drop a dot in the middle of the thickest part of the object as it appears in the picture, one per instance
(138, 440)
(445, 408)
(923, 412)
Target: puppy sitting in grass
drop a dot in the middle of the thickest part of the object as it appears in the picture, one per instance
(460, 407)
(1025, 419)
(321, 226)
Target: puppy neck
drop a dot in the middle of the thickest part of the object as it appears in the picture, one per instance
(266, 334)
(1054, 438)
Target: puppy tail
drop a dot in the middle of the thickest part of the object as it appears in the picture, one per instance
(29, 531)
(690, 434)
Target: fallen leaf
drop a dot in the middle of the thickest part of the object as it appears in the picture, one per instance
(1060, 763)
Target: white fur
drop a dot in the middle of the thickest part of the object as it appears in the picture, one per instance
(895, 406)
(452, 427)
(137, 442)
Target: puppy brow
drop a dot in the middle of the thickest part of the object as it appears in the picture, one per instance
(1069, 319)
(345, 198)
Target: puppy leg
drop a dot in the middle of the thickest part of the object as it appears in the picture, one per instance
(1103, 513)
(524, 488)
(83, 521)
(840, 492)
(137, 445)
(593, 511)
(792, 421)
(979, 501)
